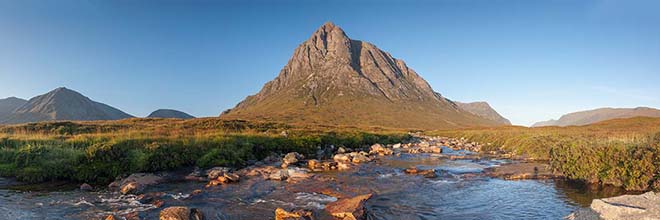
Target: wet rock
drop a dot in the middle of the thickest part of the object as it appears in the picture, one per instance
(196, 175)
(86, 187)
(137, 182)
(396, 146)
(181, 213)
(359, 158)
(342, 150)
(215, 172)
(298, 173)
(314, 165)
(261, 171)
(291, 159)
(330, 165)
(343, 166)
(131, 188)
(131, 216)
(380, 150)
(342, 158)
(232, 177)
(425, 173)
(350, 208)
(110, 217)
(279, 175)
(281, 214)
(628, 207)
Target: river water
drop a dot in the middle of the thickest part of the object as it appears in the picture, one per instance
(460, 191)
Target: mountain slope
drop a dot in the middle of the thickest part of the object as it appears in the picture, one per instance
(598, 115)
(169, 113)
(332, 79)
(63, 104)
(8, 105)
(484, 110)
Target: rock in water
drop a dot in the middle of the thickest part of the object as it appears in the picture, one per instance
(332, 79)
(351, 208)
(86, 187)
(181, 213)
(291, 159)
(281, 214)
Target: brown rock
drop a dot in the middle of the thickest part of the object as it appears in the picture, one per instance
(86, 187)
(110, 217)
(281, 214)
(350, 208)
(181, 213)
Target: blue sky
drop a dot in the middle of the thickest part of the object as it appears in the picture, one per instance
(531, 60)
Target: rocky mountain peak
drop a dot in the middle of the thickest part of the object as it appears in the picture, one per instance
(330, 78)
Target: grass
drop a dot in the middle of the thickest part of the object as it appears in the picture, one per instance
(97, 152)
(622, 152)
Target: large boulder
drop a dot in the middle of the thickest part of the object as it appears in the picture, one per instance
(281, 214)
(628, 207)
(350, 208)
(181, 213)
(137, 182)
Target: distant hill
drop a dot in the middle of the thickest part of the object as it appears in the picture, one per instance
(63, 104)
(169, 113)
(332, 79)
(8, 105)
(484, 110)
(598, 115)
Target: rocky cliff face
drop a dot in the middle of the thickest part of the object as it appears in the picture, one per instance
(598, 115)
(169, 113)
(483, 110)
(63, 104)
(332, 79)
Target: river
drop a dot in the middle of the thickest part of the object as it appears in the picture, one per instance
(460, 191)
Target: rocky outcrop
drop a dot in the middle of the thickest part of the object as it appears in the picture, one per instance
(181, 213)
(332, 79)
(348, 208)
(627, 207)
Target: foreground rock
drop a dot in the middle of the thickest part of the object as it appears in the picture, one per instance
(137, 182)
(181, 213)
(350, 208)
(291, 159)
(281, 214)
(628, 207)
(518, 171)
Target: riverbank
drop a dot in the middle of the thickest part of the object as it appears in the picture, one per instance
(621, 152)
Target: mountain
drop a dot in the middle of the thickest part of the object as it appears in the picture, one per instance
(332, 79)
(169, 113)
(8, 105)
(483, 110)
(598, 115)
(63, 104)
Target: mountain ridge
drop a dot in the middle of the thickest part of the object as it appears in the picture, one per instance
(63, 104)
(597, 115)
(169, 113)
(483, 109)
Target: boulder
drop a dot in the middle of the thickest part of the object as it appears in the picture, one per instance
(137, 182)
(396, 146)
(181, 213)
(380, 150)
(279, 175)
(349, 208)
(86, 187)
(360, 158)
(342, 157)
(232, 177)
(628, 207)
(281, 214)
(314, 165)
(110, 217)
(291, 159)
(215, 172)
(298, 173)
